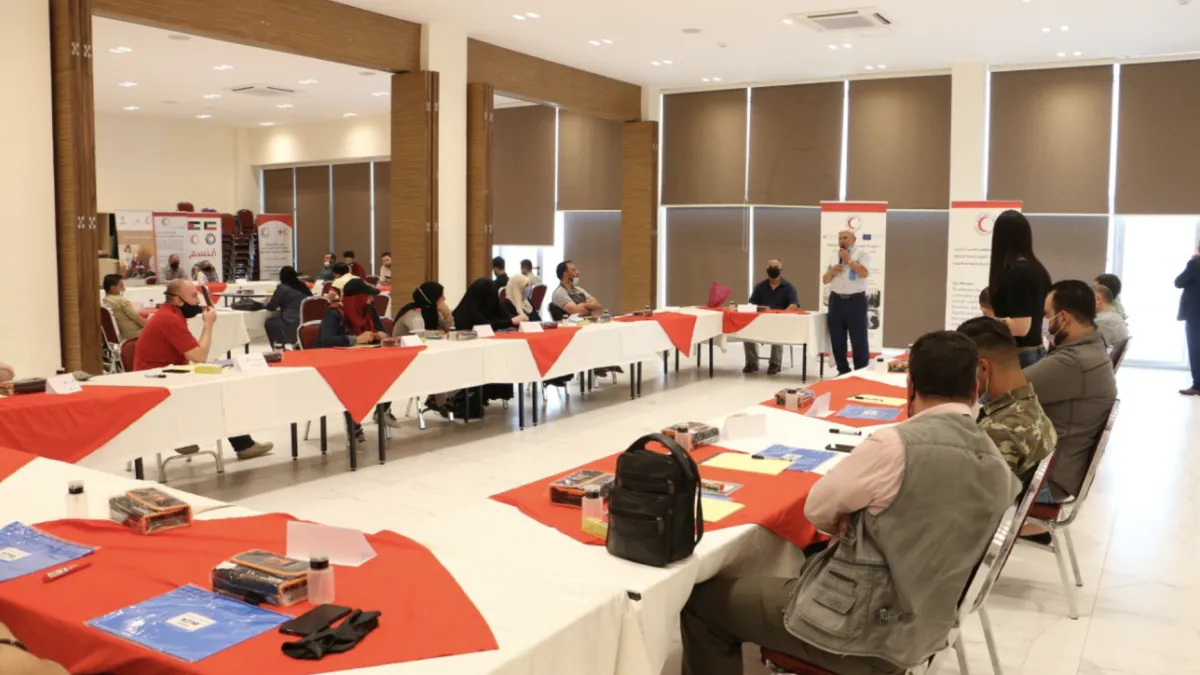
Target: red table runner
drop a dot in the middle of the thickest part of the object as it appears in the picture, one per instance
(843, 388)
(69, 427)
(425, 612)
(774, 502)
(734, 321)
(12, 460)
(359, 377)
(546, 346)
(216, 286)
(678, 327)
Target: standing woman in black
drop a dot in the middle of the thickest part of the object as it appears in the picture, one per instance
(1018, 284)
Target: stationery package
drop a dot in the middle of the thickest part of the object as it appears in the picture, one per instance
(273, 357)
(718, 488)
(643, 312)
(803, 397)
(898, 366)
(259, 576)
(29, 385)
(462, 335)
(568, 491)
(701, 434)
(549, 325)
(147, 510)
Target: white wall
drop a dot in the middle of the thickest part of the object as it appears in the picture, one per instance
(29, 340)
(153, 163)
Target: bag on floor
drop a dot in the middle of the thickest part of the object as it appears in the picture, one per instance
(654, 513)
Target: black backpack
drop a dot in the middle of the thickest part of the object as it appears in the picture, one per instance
(654, 513)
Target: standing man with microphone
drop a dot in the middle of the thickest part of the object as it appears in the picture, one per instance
(847, 281)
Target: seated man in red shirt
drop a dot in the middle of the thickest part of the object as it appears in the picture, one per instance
(166, 341)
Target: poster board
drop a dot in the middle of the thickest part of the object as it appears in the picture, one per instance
(275, 244)
(868, 222)
(969, 252)
(194, 237)
(135, 244)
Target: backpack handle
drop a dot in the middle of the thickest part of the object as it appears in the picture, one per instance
(681, 456)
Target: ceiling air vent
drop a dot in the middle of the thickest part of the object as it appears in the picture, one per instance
(865, 21)
(263, 91)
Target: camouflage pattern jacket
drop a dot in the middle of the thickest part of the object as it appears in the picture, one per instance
(1020, 429)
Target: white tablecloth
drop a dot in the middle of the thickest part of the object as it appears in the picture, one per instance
(229, 333)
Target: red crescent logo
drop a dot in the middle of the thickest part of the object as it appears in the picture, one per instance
(854, 223)
(984, 223)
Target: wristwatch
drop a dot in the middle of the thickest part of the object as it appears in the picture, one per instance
(13, 642)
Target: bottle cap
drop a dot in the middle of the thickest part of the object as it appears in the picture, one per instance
(592, 491)
(318, 561)
(75, 487)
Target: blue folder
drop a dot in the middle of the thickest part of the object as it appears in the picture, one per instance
(802, 459)
(863, 412)
(24, 550)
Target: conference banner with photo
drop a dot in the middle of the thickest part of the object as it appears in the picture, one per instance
(275, 244)
(969, 254)
(135, 244)
(194, 237)
(868, 222)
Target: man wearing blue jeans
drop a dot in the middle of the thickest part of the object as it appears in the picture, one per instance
(847, 281)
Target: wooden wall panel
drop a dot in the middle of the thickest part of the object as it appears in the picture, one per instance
(279, 191)
(352, 212)
(412, 109)
(320, 29)
(542, 81)
(75, 184)
(639, 215)
(313, 199)
(480, 99)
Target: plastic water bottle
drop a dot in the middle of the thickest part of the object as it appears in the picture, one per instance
(880, 365)
(320, 580)
(593, 503)
(791, 400)
(77, 504)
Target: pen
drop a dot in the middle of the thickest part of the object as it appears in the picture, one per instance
(845, 433)
(64, 571)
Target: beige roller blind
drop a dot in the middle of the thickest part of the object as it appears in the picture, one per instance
(523, 176)
(589, 163)
(704, 245)
(592, 239)
(1050, 137)
(1158, 139)
(793, 235)
(898, 147)
(352, 211)
(1071, 247)
(279, 191)
(313, 203)
(383, 210)
(704, 148)
(914, 297)
(796, 143)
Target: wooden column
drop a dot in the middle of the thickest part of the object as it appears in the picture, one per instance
(75, 184)
(480, 98)
(639, 215)
(413, 191)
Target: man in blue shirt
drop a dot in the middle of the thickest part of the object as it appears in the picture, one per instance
(774, 292)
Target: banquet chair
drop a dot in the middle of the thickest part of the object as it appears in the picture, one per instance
(1057, 518)
(979, 586)
(372, 279)
(207, 295)
(313, 309)
(381, 306)
(503, 295)
(537, 296)
(111, 357)
(1117, 354)
(185, 207)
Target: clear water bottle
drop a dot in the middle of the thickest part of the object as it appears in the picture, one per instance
(880, 365)
(791, 400)
(320, 580)
(593, 503)
(77, 505)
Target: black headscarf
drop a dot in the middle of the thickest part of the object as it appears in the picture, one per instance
(479, 305)
(288, 277)
(425, 298)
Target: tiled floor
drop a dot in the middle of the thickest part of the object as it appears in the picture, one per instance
(1138, 540)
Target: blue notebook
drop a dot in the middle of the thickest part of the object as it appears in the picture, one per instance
(862, 412)
(802, 459)
(189, 623)
(24, 550)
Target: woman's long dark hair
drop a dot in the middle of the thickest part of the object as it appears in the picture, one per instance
(1012, 240)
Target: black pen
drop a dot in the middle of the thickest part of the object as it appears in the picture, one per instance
(845, 433)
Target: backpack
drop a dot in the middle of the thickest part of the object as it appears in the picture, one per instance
(654, 513)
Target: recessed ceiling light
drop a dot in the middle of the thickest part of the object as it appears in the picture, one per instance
(656, 63)
(881, 67)
(691, 31)
(309, 81)
(349, 115)
(716, 79)
(266, 124)
(1062, 55)
(223, 67)
(1045, 29)
(127, 84)
(367, 73)
(607, 41)
(833, 47)
(285, 106)
(203, 117)
(870, 67)
(1077, 54)
(705, 79)
(667, 63)
(846, 45)
(179, 36)
(519, 17)
(1064, 28)
(131, 108)
(121, 50)
(789, 21)
(594, 43)
(378, 94)
(533, 15)
(212, 96)
(170, 102)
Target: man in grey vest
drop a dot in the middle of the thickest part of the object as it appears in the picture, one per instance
(911, 509)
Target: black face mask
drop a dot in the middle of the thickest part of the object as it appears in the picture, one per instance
(773, 272)
(189, 310)
(174, 265)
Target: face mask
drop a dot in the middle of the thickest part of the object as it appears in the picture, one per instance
(1057, 335)
(575, 280)
(174, 265)
(773, 272)
(327, 263)
(189, 310)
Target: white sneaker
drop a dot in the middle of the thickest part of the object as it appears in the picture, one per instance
(256, 450)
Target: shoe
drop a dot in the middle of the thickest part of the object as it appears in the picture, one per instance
(774, 370)
(390, 420)
(1044, 538)
(750, 369)
(1190, 392)
(188, 450)
(256, 450)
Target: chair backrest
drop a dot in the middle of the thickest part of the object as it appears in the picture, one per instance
(108, 327)
(245, 222)
(1097, 454)
(1118, 353)
(372, 279)
(537, 296)
(381, 304)
(128, 347)
(151, 280)
(503, 295)
(185, 207)
(326, 286)
(207, 295)
(313, 309)
(307, 334)
(557, 312)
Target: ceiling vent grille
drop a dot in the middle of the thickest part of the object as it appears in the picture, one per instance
(263, 91)
(865, 21)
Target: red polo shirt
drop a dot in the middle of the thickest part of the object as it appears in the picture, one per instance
(357, 269)
(164, 341)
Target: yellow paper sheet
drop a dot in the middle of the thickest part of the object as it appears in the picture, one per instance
(738, 461)
(872, 399)
(716, 510)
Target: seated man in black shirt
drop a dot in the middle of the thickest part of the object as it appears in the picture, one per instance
(774, 292)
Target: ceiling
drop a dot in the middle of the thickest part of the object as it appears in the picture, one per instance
(748, 41)
(173, 76)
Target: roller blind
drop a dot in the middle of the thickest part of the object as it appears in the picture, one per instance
(1158, 139)
(704, 148)
(352, 211)
(1050, 137)
(796, 143)
(704, 245)
(593, 240)
(383, 210)
(312, 216)
(1071, 247)
(794, 237)
(898, 147)
(914, 301)
(589, 163)
(523, 176)
(279, 191)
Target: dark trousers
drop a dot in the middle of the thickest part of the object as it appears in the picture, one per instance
(848, 315)
(1029, 358)
(1192, 328)
(241, 443)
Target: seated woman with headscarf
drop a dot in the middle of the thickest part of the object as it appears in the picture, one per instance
(427, 311)
(480, 305)
(287, 298)
(516, 301)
